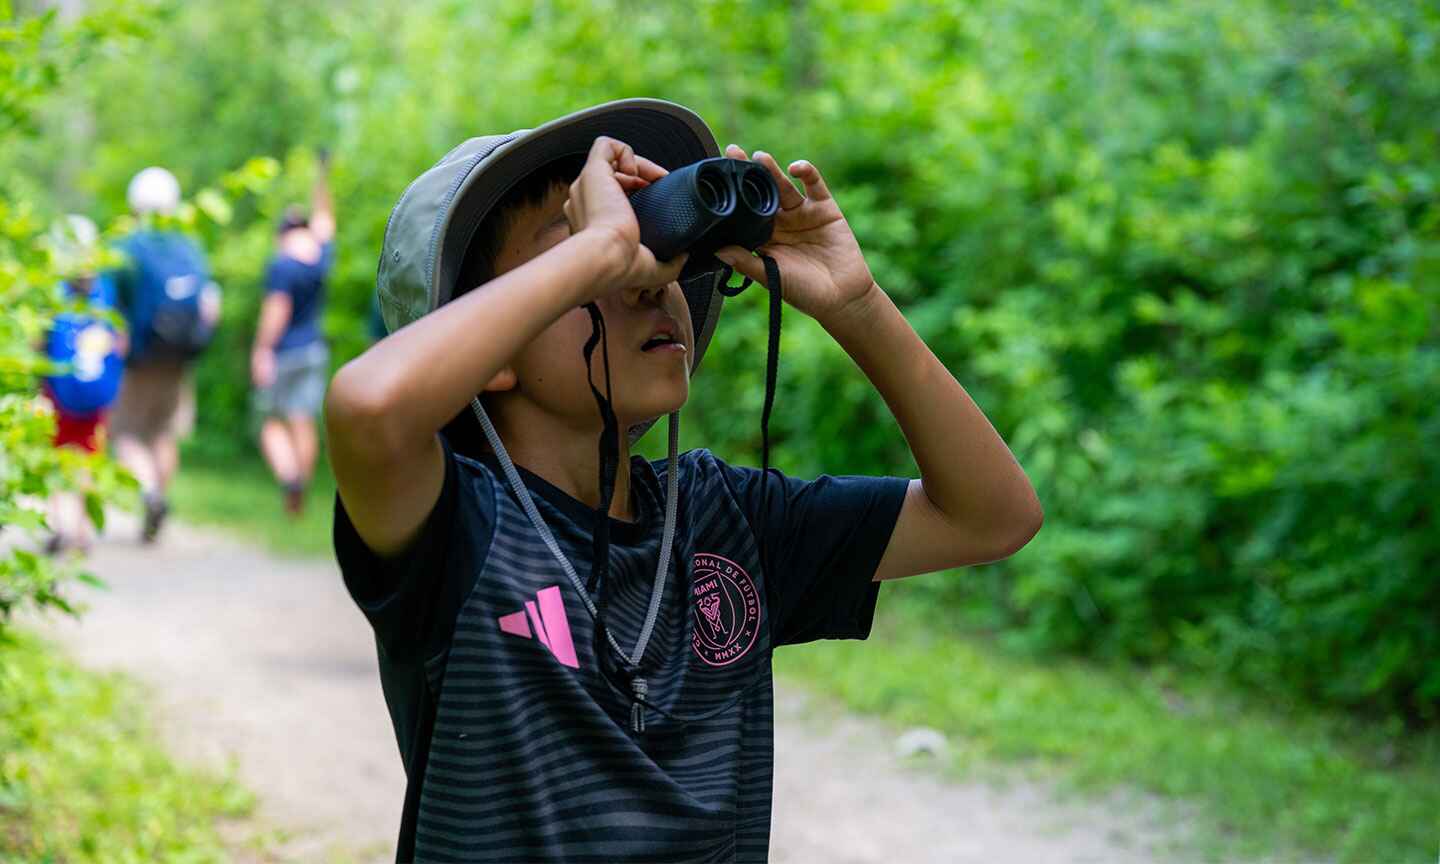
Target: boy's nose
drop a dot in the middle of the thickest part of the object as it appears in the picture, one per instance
(647, 296)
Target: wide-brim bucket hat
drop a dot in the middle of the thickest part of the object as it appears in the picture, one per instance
(436, 218)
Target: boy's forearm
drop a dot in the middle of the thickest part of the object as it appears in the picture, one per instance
(274, 316)
(412, 382)
(967, 470)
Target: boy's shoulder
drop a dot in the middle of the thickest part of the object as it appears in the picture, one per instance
(694, 464)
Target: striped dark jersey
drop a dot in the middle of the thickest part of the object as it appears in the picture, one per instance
(515, 726)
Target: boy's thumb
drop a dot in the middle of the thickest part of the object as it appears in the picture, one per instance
(742, 261)
(732, 255)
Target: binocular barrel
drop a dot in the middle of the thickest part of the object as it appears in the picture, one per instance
(704, 206)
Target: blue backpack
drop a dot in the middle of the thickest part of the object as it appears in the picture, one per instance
(86, 345)
(169, 279)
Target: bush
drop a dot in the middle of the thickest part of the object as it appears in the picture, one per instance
(1185, 255)
(81, 779)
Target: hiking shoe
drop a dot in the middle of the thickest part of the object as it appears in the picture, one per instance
(156, 509)
(294, 498)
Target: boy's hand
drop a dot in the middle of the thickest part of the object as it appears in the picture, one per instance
(599, 204)
(820, 262)
(262, 368)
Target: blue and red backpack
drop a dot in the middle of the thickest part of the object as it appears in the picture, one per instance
(86, 345)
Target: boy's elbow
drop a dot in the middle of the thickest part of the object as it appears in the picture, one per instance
(358, 412)
(1023, 526)
(1016, 529)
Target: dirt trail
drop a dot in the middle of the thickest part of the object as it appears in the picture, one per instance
(264, 661)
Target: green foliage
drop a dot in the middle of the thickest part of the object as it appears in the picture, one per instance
(81, 779)
(39, 54)
(31, 268)
(1186, 256)
(1246, 781)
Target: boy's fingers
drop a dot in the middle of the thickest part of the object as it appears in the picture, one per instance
(790, 197)
(630, 183)
(649, 170)
(744, 263)
(616, 154)
(734, 152)
(666, 271)
(815, 188)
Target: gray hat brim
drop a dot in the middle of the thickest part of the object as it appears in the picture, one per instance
(436, 218)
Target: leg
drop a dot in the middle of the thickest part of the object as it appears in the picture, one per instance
(302, 432)
(279, 450)
(167, 459)
(138, 460)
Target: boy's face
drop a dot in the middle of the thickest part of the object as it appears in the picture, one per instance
(550, 373)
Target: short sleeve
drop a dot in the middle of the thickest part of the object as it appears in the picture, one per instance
(822, 541)
(279, 278)
(412, 598)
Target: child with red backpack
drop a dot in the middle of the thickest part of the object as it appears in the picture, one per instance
(87, 350)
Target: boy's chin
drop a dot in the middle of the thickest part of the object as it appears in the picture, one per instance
(634, 415)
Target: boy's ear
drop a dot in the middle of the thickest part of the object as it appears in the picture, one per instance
(503, 380)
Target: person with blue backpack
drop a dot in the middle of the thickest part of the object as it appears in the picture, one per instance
(289, 362)
(85, 349)
(172, 307)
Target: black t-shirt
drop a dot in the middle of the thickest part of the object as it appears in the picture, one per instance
(513, 726)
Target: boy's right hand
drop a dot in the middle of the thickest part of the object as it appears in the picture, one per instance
(599, 204)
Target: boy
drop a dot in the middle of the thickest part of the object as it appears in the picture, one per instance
(92, 352)
(289, 359)
(570, 685)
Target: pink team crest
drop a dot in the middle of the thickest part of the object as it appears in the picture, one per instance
(727, 609)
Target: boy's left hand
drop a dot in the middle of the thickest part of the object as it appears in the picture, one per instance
(821, 267)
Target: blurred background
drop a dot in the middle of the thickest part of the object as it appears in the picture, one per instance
(1186, 256)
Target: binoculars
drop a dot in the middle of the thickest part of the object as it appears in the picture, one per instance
(704, 206)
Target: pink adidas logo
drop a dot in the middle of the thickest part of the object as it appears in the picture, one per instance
(546, 613)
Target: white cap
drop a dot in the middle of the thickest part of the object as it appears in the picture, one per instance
(154, 190)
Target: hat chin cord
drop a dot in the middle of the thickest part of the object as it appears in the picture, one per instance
(609, 457)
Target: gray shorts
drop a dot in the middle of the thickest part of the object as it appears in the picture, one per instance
(299, 385)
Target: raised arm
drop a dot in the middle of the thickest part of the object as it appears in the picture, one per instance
(972, 502)
(385, 407)
(322, 208)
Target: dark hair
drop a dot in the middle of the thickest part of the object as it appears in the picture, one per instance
(478, 267)
(292, 218)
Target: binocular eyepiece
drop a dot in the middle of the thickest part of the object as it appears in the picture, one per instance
(705, 206)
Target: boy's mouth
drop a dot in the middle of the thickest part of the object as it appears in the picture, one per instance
(666, 338)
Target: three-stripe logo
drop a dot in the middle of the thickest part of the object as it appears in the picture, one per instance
(546, 613)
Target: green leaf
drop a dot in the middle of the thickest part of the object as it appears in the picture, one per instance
(95, 509)
(214, 205)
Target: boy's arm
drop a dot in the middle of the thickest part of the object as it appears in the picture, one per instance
(385, 407)
(275, 312)
(322, 207)
(972, 502)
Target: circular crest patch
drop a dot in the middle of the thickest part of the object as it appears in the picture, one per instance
(726, 609)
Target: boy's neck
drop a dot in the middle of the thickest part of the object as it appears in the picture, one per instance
(569, 460)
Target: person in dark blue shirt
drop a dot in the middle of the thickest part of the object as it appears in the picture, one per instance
(290, 360)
